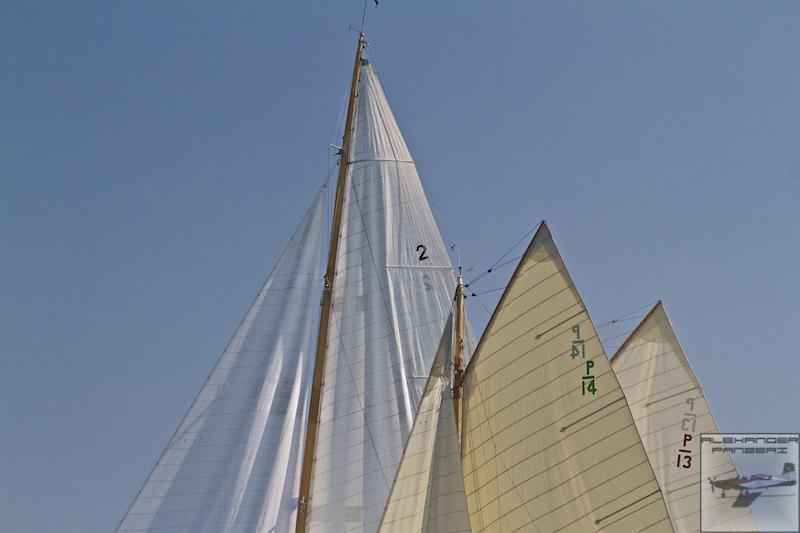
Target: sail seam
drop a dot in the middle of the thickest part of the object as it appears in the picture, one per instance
(382, 160)
(355, 195)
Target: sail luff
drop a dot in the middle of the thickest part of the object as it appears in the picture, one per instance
(325, 308)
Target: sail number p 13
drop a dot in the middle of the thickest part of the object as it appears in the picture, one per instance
(687, 424)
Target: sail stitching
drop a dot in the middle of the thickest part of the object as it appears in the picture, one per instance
(291, 252)
(494, 438)
(381, 160)
(416, 417)
(538, 388)
(366, 235)
(540, 472)
(385, 303)
(505, 470)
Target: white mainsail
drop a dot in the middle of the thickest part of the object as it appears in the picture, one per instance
(392, 294)
(428, 492)
(538, 454)
(234, 463)
(667, 403)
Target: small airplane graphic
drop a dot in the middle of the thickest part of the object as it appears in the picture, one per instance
(756, 482)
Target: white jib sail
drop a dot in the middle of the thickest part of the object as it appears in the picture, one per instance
(667, 403)
(428, 492)
(392, 293)
(234, 463)
(538, 454)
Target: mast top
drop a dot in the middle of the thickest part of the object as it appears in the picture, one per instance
(458, 252)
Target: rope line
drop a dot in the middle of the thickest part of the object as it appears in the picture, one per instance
(623, 334)
(627, 316)
(487, 291)
(621, 320)
(482, 305)
(499, 263)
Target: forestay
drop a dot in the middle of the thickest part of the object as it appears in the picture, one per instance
(392, 292)
(667, 403)
(538, 455)
(234, 463)
(428, 492)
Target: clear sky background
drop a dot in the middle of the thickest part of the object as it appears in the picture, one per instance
(155, 158)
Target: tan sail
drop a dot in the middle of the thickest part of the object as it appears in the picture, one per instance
(428, 491)
(667, 403)
(539, 454)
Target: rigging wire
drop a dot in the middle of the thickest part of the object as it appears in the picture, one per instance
(328, 176)
(628, 316)
(620, 320)
(623, 334)
(499, 263)
(363, 16)
(335, 133)
(635, 314)
(487, 291)
(481, 304)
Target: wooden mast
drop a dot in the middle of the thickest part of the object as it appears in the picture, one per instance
(458, 354)
(327, 293)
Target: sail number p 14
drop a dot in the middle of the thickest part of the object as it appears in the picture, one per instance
(579, 350)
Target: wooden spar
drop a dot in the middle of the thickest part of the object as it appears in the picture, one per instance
(325, 308)
(458, 355)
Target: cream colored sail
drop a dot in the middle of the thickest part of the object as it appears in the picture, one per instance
(667, 403)
(428, 492)
(538, 454)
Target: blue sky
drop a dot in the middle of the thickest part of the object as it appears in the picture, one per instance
(155, 157)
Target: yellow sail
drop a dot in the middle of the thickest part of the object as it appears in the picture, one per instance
(428, 491)
(671, 412)
(541, 451)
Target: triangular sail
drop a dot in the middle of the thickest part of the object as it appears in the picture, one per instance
(667, 403)
(538, 454)
(233, 465)
(392, 293)
(428, 492)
